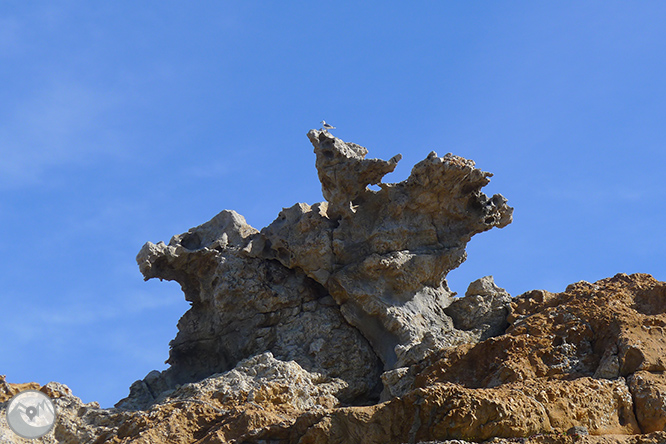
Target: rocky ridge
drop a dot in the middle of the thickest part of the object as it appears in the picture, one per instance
(335, 324)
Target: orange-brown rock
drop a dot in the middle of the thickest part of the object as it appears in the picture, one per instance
(8, 390)
(580, 332)
(518, 410)
(587, 359)
(649, 390)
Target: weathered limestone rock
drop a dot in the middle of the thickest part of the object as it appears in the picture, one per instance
(449, 411)
(601, 406)
(384, 255)
(482, 313)
(344, 172)
(609, 366)
(243, 306)
(7, 391)
(300, 238)
(337, 286)
(524, 386)
(77, 422)
(565, 335)
(291, 327)
(259, 393)
(263, 379)
(484, 309)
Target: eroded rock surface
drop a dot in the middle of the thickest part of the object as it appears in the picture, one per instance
(243, 306)
(483, 310)
(649, 391)
(295, 329)
(259, 393)
(534, 384)
(76, 422)
(347, 288)
(384, 255)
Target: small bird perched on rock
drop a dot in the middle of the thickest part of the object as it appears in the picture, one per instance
(326, 125)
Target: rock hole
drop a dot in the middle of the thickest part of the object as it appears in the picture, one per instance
(191, 241)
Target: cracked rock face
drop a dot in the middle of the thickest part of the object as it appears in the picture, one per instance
(347, 288)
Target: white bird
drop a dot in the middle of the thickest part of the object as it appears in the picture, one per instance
(326, 125)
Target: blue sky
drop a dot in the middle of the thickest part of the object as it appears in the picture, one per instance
(125, 122)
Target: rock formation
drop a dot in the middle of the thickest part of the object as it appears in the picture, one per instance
(335, 324)
(243, 306)
(384, 255)
(347, 288)
(536, 383)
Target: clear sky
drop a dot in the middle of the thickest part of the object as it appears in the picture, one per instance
(124, 122)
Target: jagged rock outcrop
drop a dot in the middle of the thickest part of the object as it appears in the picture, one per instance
(482, 313)
(295, 330)
(76, 423)
(243, 306)
(8, 390)
(259, 393)
(347, 288)
(384, 255)
(533, 384)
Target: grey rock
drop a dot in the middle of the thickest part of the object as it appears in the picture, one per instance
(578, 430)
(484, 309)
(344, 172)
(384, 255)
(261, 379)
(259, 376)
(77, 422)
(243, 306)
(397, 382)
(485, 287)
(609, 366)
(343, 287)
